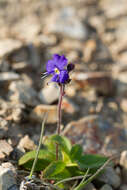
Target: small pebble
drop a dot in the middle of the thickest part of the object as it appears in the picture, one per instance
(106, 187)
(7, 178)
(110, 177)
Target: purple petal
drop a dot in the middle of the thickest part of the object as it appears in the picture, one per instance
(63, 76)
(55, 78)
(50, 66)
(61, 62)
(56, 57)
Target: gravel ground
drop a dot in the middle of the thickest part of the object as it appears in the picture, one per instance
(92, 35)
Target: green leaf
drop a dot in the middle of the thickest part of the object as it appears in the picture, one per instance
(40, 165)
(66, 158)
(62, 186)
(74, 170)
(76, 152)
(62, 175)
(44, 158)
(92, 161)
(63, 142)
(53, 169)
(51, 145)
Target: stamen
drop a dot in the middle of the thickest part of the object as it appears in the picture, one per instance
(57, 71)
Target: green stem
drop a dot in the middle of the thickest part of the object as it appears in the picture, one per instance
(69, 179)
(39, 146)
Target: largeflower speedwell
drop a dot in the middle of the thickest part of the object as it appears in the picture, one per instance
(59, 68)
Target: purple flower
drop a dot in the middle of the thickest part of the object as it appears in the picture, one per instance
(59, 68)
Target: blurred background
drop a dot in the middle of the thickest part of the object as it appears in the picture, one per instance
(92, 34)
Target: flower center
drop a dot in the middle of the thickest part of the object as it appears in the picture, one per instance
(57, 71)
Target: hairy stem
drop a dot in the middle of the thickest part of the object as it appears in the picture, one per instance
(59, 115)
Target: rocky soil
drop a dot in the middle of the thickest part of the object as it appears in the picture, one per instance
(93, 35)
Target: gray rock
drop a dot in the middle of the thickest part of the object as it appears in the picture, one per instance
(110, 177)
(21, 92)
(19, 55)
(123, 159)
(90, 186)
(123, 162)
(13, 187)
(121, 83)
(11, 111)
(99, 81)
(67, 23)
(4, 66)
(17, 114)
(69, 106)
(114, 8)
(98, 22)
(123, 187)
(49, 94)
(28, 28)
(14, 134)
(7, 178)
(8, 46)
(10, 166)
(123, 105)
(121, 35)
(39, 111)
(26, 143)
(34, 59)
(96, 134)
(46, 40)
(20, 66)
(5, 148)
(3, 127)
(8, 76)
(106, 187)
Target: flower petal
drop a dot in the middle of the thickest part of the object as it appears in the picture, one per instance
(50, 66)
(63, 76)
(55, 78)
(56, 57)
(59, 69)
(62, 62)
